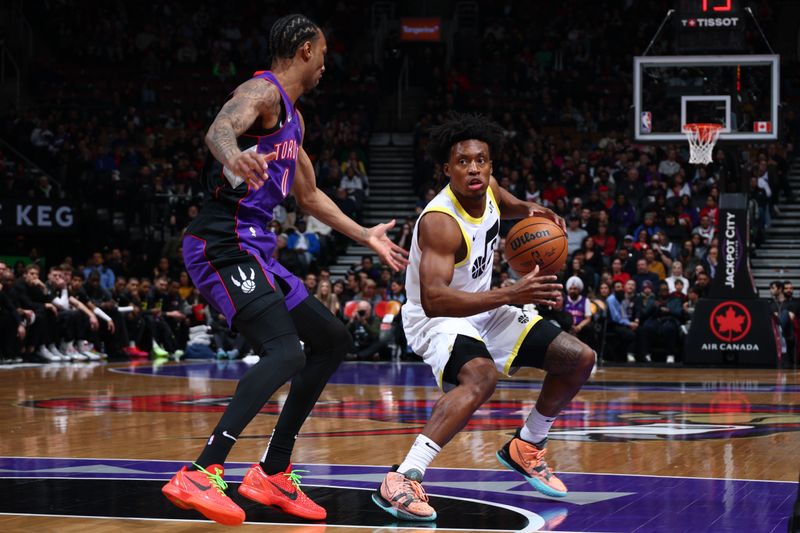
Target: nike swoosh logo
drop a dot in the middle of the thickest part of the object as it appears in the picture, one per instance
(198, 485)
(290, 495)
(226, 434)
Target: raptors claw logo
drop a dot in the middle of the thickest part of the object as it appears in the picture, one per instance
(247, 284)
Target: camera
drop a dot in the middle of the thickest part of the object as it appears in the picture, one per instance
(362, 312)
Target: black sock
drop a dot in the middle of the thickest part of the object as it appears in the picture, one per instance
(278, 455)
(217, 449)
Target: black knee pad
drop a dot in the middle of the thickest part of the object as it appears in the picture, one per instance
(285, 351)
(339, 338)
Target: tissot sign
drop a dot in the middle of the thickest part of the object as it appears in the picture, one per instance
(733, 325)
(19, 216)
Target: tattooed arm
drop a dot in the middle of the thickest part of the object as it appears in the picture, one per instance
(254, 100)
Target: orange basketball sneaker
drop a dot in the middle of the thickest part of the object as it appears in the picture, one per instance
(205, 492)
(528, 460)
(281, 490)
(402, 496)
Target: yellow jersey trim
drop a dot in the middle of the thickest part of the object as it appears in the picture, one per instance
(467, 239)
(535, 320)
(463, 212)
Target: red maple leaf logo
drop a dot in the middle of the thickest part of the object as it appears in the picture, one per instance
(730, 322)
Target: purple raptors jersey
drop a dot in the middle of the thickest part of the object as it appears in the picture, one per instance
(228, 248)
(253, 209)
(577, 309)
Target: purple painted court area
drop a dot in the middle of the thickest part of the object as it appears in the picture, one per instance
(419, 375)
(597, 502)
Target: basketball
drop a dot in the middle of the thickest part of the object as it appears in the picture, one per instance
(536, 241)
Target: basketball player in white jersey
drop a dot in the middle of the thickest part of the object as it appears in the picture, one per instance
(467, 332)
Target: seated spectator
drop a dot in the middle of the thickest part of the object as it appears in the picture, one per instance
(365, 329)
(705, 230)
(643, 274)
(675, 232)
(642, 242)
(80, 300)
(556, 314)
(622, 215)
(396, 291)
(606, 242)
(114, 335)
(346, 204)
(353, 184)
(593, 257)
(710, 261)
(623, 321)
(405, 235)
(327, 296)
(575, 234)
(289, 258)
(579, 306)
(655, 264)
(677, 275)
(12, 324)
(678, 292)
(369, 292)
(310, 283)
(661, 323)
(105, 273)
(617, 273)
(369, 268)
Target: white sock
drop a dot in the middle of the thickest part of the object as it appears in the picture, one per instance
(422, 452)
(536, 427)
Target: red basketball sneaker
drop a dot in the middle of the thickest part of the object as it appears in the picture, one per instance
(281, 490)
(205, 492)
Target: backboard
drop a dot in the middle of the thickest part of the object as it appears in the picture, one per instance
(741, 92)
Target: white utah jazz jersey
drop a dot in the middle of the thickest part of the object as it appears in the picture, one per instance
(481, 235)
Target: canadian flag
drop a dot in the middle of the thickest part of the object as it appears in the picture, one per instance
(762, 127)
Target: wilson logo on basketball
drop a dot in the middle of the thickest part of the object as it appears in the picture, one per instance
(528, 237)
(730, 321)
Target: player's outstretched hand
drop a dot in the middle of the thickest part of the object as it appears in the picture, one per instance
(535, 289)
(252, 167)
(539, 211)
(389, 253)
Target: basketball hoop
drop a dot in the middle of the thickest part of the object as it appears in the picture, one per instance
(702, 138)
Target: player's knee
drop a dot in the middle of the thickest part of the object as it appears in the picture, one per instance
(479, 378)
(585, 362)
(285, 353)
(339, 338)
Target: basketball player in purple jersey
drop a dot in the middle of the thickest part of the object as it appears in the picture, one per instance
(258, 159)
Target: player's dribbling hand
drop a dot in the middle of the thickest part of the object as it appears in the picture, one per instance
(535, 289)
(539, 211)
(389, 253)
(252, 167)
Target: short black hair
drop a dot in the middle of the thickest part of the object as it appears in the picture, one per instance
(288, 33)
(462, 127)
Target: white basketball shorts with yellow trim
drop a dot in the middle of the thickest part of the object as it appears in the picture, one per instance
(502, 330)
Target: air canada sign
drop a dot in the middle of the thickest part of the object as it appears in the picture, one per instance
(730, 322)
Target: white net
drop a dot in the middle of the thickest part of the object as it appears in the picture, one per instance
(702, 138)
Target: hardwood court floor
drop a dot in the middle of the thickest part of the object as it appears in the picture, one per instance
(660, 430)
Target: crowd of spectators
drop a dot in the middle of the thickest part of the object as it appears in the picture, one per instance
(117, 120)
(117, 123)
(641, 220)
(107, 307)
